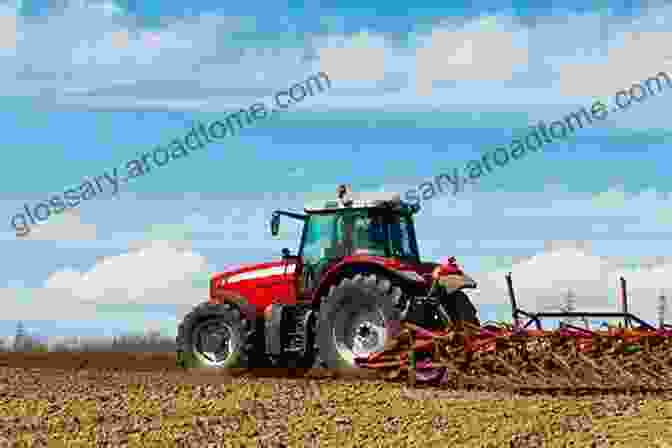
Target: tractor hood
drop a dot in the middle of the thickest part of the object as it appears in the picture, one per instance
(256, 271)
(271, 271)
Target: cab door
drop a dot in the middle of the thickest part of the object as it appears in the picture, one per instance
(316, 242)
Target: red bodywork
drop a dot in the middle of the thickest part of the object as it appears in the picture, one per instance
(259, 285)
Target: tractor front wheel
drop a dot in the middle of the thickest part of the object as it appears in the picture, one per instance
(357, 318)
(214, 336)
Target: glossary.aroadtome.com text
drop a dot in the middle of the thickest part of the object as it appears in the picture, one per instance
(198, 137)
(538, 135)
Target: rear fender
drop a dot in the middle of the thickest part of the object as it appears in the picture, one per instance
(456, 282)
(414, 285)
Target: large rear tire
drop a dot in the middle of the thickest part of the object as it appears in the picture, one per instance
(215, 336)
(357, 318)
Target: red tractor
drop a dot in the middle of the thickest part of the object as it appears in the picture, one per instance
(356, 276)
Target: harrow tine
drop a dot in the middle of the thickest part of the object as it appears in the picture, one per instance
(568, 370)
(420, 332)
(411, 356)
(593, 366)
(629, 378)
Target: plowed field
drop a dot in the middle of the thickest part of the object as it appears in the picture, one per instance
(106, 399)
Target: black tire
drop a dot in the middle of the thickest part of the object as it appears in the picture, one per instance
(460, 308)
(345, 311)
(226, 318)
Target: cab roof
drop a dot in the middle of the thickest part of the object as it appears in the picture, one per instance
(356, 200)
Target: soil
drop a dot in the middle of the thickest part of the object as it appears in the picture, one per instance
(144, 400)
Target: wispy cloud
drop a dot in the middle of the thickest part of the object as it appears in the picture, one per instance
(99, 57)
(64, 227)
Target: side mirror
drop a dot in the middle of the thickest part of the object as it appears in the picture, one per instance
(275, 224)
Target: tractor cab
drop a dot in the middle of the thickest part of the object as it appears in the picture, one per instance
(366, 224)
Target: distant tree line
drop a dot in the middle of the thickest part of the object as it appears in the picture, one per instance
(151, 342)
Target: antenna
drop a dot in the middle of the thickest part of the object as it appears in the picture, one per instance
(662, 309)
(624, 302)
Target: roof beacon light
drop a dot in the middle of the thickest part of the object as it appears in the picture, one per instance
(343, 193)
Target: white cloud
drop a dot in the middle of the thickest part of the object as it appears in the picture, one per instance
(44, 304)
(157, 274)
(541, 281)
(178, 236)
(357, 58)
(481, 50)
(8, 30)
(632, 56)
(97, 58)
(64, 227)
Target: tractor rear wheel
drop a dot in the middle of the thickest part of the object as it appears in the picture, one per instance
(357, 318)
(214, 336)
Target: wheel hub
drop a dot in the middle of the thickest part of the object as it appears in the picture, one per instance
(366, 338)
(214, 342)
(365, 333)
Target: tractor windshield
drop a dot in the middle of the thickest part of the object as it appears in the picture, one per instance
(364, 231)
(385, 234)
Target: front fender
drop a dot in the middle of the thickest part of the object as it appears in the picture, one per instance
(456, 282)
(247, 309)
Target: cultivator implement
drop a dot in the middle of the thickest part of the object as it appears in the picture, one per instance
(632, 356)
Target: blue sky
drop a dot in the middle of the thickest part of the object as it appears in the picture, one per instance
(87, 86)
